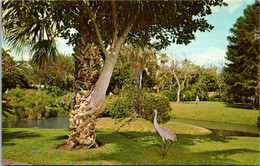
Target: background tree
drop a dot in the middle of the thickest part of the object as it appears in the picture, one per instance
(12, 75)
(181, 71)
(98, 26)
(242, 73)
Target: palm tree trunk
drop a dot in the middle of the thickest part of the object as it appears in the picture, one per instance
(83, 116)
(90, 95)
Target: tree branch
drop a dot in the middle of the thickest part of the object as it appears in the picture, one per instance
(185, 77)
(127, 29)
(96, 30)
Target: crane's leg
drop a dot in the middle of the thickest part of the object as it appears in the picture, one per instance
(164, 150)
(168, 148)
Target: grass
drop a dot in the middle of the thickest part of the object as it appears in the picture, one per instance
(138, 143)
(39, 146)
(215, 112)
(141, 125)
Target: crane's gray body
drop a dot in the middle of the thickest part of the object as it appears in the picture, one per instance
(163, 132)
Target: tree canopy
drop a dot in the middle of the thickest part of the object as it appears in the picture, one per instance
(242, 73)
(166, 21)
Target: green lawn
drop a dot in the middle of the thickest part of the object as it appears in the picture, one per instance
(138, 143)
(215, 112)
(39, 146)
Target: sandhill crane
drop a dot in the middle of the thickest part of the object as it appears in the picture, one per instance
(165, 133)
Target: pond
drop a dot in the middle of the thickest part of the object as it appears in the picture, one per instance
(49, 123)
(218, 129)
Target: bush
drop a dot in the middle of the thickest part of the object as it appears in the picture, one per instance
(121, 107)
(134, 102)
(62, 105)
(154, 101)
(171, 94)
(34, 104)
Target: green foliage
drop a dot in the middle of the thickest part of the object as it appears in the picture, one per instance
(62, 105)
(189, 95)
(171, 94)
(135, 102)
(29, 104)
(243, 53)
(121, 107)
(201, 90)
(154, 101)
(59, 73)
(12, 75)
(33, 104)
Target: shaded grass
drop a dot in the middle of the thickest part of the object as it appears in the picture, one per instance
(214, 112)
(39, 146)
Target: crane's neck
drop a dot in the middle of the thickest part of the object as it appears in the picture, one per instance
(155, 119)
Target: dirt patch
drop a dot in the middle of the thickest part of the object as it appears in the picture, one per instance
(66, 147)
(105, 162)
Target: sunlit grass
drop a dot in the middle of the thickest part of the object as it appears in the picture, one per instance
(147, 126)
(39, 146)
(215, 112)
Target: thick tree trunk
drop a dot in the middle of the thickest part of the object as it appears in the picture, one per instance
(89, 99)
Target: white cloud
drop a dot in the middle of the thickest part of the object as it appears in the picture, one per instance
(213, 56)
(249, 2)
(232, 5)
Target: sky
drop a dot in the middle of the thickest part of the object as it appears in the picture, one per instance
(209, 48)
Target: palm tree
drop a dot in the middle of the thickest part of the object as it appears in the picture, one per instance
(26, 24)
(141, 57)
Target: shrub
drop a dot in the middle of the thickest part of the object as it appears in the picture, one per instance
(62, 105)
(121, 107)
(34, 104)
(171, 94)
(134, 102)
(154, 101)
(188, 96)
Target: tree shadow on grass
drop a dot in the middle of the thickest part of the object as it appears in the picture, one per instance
(65, 137)
(129, 147)
(222, 156)
(239, 105)
(191, 139)
(8, 136)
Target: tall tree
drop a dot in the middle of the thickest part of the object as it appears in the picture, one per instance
(242, 73)
(181, 71)
(99, 27)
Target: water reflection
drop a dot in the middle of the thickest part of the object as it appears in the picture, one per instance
(218, 129)
(49, 123)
